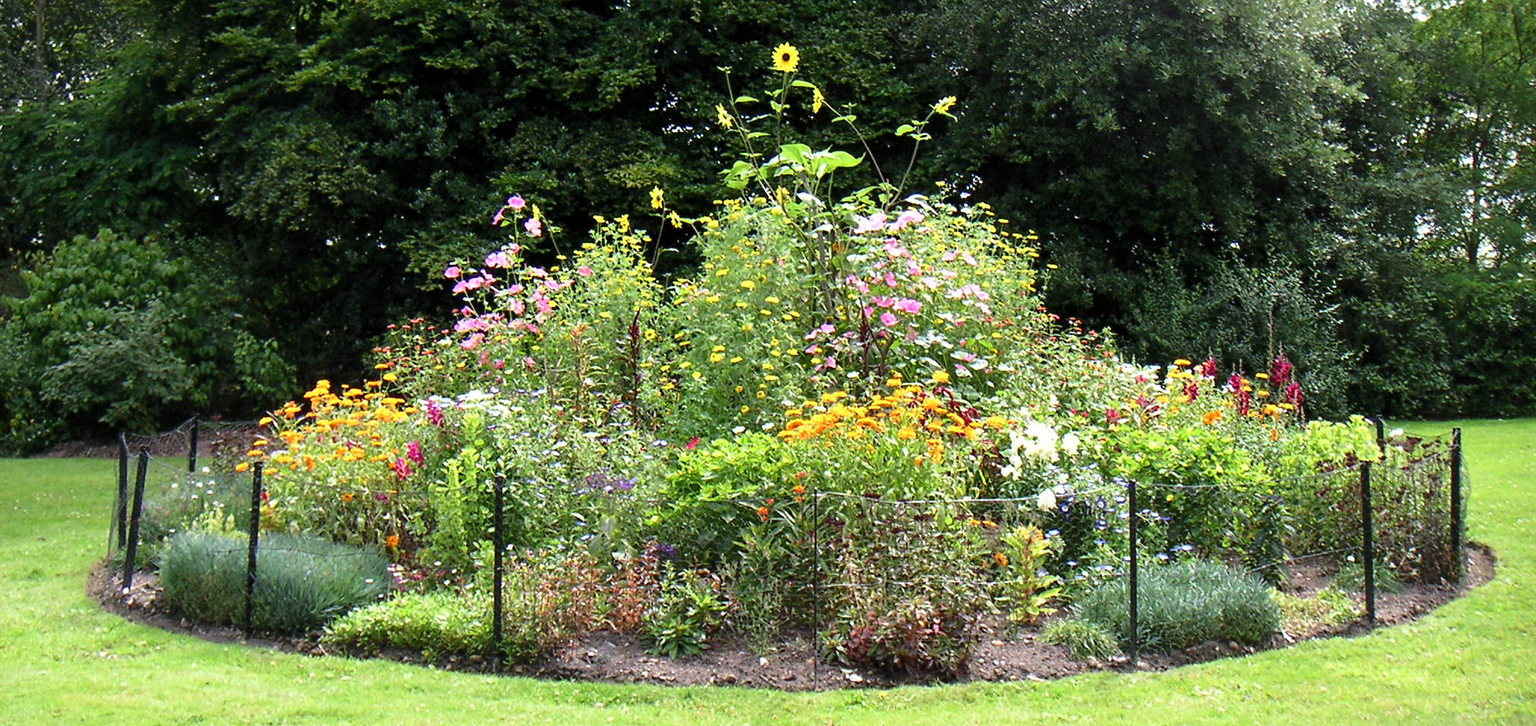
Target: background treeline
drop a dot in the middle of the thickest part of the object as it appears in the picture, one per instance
(1348, 181)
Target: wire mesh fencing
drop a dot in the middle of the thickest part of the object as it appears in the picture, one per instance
(899, 584)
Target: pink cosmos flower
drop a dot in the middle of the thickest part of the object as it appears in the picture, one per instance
(472, 341)
(452, 272)
(888, 320)
(909, 217)
(516, 202)
(584, 271)
(911, 307)
(498, 259)
(534, 227)
(496, 220)
(873, 223)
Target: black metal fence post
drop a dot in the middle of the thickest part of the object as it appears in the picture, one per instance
(1369, 544)
(1457, 524)
(192, 448)
(1131, 528)
(122, 491)
(129, 560)
(498, 537)
(253, 533)
(815, 588)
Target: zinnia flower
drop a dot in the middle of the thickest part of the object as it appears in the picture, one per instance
(785, 58)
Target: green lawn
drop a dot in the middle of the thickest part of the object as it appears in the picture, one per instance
(62, 660)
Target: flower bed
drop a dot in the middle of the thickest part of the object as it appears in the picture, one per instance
(853, 418)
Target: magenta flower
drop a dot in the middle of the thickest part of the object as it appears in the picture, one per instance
(516, 202)
(496, 220)
(413, 452)
(888, 320)
(908, 306)
(452, 272)
(402, 468)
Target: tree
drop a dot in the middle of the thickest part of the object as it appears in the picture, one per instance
(1479, 126)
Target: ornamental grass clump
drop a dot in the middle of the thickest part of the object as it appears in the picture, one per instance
(302, 582)
(1185, 604)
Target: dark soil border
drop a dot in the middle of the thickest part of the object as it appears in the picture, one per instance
(1001, 656)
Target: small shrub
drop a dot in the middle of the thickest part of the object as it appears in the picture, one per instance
(431, 622)
(1084, 638)
(688, 609)
(302, 583)
(1328, 608)
(1185, 604)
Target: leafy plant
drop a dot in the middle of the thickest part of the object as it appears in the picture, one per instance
(432, 622)
(1027, 589)
(688, 607)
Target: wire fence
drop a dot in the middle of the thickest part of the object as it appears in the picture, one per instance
(834, 553)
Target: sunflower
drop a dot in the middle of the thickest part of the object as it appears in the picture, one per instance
(785, 58)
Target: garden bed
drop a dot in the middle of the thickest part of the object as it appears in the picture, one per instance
(1002, 655)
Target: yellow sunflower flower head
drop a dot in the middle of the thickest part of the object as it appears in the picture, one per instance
(786, 58)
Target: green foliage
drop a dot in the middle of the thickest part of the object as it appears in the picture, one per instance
(688, 607)
(1027, 589)
(432, 622)
(1351, 577)
(302, 583)
(114, 333)
(1328, 608)
(1185, 604)
(1086, 639)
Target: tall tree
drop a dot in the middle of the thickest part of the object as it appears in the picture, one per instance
(1480, 127)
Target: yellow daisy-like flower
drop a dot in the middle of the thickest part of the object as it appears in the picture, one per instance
(657, 200)
(944, 105)
(723, 118)
(785, 58)
(817, 100)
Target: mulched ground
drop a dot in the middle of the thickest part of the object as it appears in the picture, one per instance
(1001, 656)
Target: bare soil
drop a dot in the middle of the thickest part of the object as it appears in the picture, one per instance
(1003, 654)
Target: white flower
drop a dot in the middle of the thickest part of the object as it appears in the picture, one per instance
(1042, 441)
(1070, 443)
(1047, 500)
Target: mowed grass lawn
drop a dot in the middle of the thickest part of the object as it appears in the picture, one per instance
(63, 660)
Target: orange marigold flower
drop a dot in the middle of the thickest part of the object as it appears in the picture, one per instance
(392, 541)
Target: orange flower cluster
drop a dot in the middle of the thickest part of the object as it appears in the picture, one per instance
(907, 413)
(340, 427)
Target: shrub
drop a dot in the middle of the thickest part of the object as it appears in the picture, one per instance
(431, 622)
(688, 608)
(302, 583)
(1086, 639)
(1185, 604)
(104, 338)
